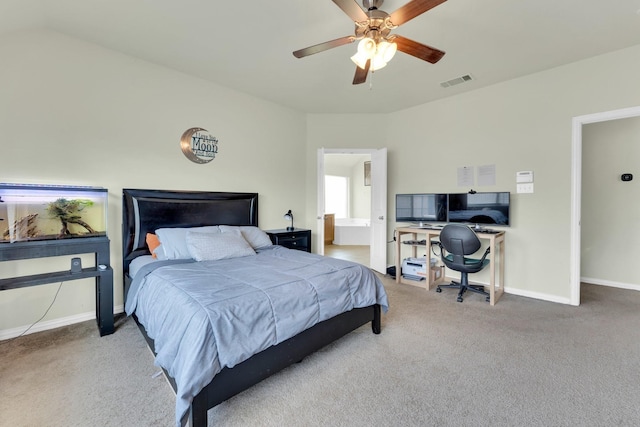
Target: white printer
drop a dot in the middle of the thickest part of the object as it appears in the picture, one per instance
(414, 268)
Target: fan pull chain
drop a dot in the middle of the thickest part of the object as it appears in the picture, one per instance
(371, 80)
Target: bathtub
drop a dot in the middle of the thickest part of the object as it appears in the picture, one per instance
(352, 231)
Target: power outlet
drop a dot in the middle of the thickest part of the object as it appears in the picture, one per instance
(525, 188)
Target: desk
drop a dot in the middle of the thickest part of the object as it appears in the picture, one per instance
(496, 243)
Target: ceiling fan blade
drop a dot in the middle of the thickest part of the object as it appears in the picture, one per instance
(323, 46)
(361, 73)
(352, 9)
(419, 50)
(412, 9)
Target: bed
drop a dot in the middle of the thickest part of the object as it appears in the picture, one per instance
(299, 328)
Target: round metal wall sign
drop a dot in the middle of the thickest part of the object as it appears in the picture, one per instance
(199, 145)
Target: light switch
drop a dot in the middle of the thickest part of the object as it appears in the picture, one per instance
(524, 176)
(525, 188)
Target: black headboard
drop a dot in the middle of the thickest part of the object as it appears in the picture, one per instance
(144, 211)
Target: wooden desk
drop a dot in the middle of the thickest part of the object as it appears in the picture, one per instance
(496, 243)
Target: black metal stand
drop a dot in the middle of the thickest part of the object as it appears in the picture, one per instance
(48, 248)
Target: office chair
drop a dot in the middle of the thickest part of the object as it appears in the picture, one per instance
(456, 242)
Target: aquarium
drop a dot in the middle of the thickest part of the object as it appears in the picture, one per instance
(50, 212)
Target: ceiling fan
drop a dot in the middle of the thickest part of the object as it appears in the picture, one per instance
(373, 28)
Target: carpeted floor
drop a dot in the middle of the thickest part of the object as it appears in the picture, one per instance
(71, 377)
(437, 362)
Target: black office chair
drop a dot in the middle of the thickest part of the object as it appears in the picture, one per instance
(456, 242)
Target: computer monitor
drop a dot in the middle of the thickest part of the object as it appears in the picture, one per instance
(421, 207)
(484, 208)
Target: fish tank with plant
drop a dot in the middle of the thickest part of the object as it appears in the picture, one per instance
(50, 212)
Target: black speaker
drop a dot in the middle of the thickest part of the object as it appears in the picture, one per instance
(391, 271)
(76, 265)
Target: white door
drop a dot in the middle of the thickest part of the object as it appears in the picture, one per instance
(378, 249)
(320, 204)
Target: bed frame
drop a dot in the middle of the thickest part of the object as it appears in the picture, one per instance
(144, 211)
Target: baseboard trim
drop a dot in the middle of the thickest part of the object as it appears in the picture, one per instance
(6, 334)
(557, 299)
(609, 283)
(537, 295)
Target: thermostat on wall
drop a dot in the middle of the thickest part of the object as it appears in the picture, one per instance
(524, 176)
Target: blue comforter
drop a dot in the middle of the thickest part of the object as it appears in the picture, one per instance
(204, 316)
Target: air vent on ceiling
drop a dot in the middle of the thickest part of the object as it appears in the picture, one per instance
(457, 81)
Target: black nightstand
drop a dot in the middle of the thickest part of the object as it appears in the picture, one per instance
(299, 238)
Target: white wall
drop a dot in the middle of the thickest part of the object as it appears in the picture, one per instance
(75, 113)
(522, 124)
(610, 210)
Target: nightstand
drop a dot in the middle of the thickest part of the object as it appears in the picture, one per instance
(299, 238)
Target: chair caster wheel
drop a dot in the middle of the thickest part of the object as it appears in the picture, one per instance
(438, 289)
(459, 299)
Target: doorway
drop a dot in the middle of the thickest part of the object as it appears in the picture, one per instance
(347, 207)
(377, 203)
(576, 187)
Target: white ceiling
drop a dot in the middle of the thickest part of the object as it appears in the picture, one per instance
(247, 45)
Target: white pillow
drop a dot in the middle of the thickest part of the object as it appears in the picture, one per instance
(212, 246)
(255, 236)
(174, 240)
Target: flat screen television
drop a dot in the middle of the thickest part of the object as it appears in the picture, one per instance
(486, 208)
(421, 207)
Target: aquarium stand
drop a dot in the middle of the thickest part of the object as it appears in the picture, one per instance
(48, 248)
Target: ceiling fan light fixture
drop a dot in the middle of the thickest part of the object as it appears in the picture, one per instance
(379, 53)
(367, 47)
(377, 63)
(386, 50)
(360, 60)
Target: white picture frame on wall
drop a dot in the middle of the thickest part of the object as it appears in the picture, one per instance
(367, 174)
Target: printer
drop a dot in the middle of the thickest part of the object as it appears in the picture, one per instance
(414, 268)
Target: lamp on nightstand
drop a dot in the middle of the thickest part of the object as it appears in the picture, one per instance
(289, 216)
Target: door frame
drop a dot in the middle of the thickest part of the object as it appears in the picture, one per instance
(378, 175)
(576, 187)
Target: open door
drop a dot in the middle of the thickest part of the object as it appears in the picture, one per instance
(320, 204)
(378, 251)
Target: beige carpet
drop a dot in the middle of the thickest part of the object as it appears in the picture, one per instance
(71, 377)
(437, 363)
